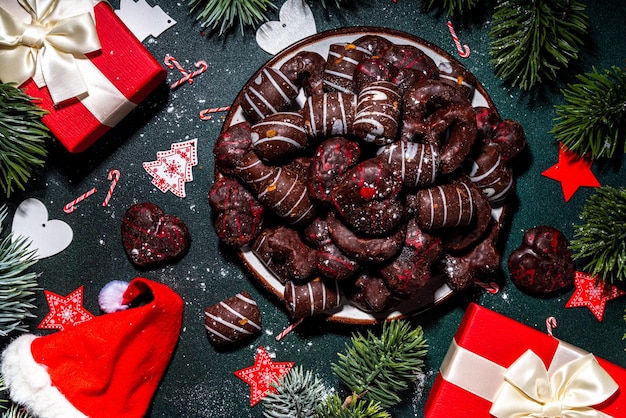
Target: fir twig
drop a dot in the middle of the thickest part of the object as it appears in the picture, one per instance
(453, 7)
(298, 395)
(593, 121)
(601, 238)
(333, 407)
(17, 287)
(533, 39)
(224, 13)
(22, 137)
(380, 368)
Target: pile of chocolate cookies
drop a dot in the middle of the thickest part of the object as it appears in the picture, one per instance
(384, 178)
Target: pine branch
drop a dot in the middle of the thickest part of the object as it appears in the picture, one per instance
(533, 39)
(380, 368)
(601, 238)
(333, 407)
(593, 121)
(17, 287)
(224, 13)
(22, 137)
(298, 395)
(453, 7)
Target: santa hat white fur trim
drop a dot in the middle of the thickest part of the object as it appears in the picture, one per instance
(30, 383)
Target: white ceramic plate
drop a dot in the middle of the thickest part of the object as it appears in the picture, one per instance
(437, 290)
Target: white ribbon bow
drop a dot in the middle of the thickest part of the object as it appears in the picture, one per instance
(46, 49)
(570, 392)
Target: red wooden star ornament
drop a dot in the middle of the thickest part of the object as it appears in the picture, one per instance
(572, 171)
(593, 294)
(262, 374)
(65, 311)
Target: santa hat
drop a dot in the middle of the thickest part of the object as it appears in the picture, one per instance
(108, 367)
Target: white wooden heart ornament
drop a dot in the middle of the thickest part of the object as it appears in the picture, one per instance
(296, 22)
(46, 237)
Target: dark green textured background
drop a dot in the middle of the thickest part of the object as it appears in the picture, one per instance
(200, 380)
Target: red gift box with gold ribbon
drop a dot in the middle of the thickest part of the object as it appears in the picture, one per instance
(498, 367)
(80, 61)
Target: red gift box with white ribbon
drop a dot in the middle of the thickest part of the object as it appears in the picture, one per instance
(498, 367)
(80, 61)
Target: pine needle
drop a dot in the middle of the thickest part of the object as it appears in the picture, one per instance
(593, 121)
(22, 138)
(453, 7)
(298, 395)
(333, 407)
(224, 13)
(601, 238)
(533, 40)
(17, 287)
(380, 368)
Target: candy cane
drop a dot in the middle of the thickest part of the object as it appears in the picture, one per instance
(462, 52)
(114, 176)
(71, 206)
(188, 77)
(204, 114)
(289, 329)
(492, 287)
(550, 324)
(172, 63)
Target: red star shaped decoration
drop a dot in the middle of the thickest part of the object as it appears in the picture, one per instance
(573, 171)
(65, 310)
(262, 374)
(172, 168)
(592, 294)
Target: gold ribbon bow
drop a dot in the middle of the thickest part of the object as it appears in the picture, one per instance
(46, 48)
(570, 392)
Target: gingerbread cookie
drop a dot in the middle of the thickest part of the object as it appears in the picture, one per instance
(238, 214)
(315, 297)
(343, 58)
(331, 160)
(232, 320)
(231, 145)
(369, 293)
(306, 69)
(418, 164)
(329, 114)
(377, 112)
(151, 237)
(270, 92)
(543, 263)
(331, 261)
(278, 136)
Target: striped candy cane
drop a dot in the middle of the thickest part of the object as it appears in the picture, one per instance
(205, 114)
(464, 50)
(188, 78)
(550, 324)
(114, 176)
(71, 206)
(288, 329)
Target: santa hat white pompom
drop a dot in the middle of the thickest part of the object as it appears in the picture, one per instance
(111, 296)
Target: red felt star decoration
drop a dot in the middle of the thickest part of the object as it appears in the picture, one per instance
(262, 374)
(172, 168)
(593, 294)
(65, 310)
(573, 171)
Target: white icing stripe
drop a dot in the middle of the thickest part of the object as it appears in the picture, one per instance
(263, 100)
(277, 86)
(227, 324)
(218, 334)
(311, 301)
(239, 315)
(433, 156)
(340, 57)
(491, 169)
(338, 74)
(471, 201)
(304, 215)
(286, 80)
(460, 218)
(293, 184)
(278, 138)
(337, 87)
(311, 116)
(444, 205)
(324, 113)
(264, 192)
(344, 119)
(245, 299)
(302, 196)
(298, 128)
(419, 167)
(456, 80)
(253, 106)
(324, 301)
(432, 208)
